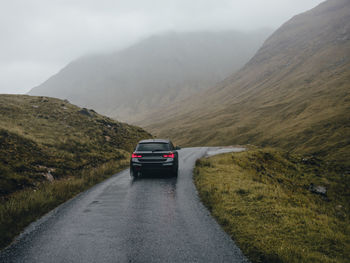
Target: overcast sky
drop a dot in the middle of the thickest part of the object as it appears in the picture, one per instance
(39, 37)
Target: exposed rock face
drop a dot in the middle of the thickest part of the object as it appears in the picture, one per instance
(318, 189)
(85, 112)
(49, 176)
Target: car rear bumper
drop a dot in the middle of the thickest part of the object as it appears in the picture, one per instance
(153, 166)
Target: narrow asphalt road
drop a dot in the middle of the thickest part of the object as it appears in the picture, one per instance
(152, 219)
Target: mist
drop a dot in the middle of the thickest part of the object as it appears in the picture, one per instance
(40, 37)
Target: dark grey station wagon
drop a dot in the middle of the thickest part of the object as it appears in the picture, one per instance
(154, 155)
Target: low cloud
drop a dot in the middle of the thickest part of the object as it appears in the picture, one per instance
(39, 37)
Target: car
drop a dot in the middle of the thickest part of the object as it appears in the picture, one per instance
(154, 155)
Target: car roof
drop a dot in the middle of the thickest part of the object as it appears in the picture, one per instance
(155, 140)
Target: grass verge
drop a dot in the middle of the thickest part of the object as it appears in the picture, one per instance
(262, 198)
(21, 208)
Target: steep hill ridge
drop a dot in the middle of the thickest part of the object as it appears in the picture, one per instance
(42, 137)
(152, 73)
(294, 93)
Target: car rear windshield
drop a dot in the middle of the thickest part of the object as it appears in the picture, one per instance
(153, 147)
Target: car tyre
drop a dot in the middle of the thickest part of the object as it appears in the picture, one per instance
(175, 171)
(133, 174)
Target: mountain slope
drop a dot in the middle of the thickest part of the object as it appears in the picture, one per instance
(294, 93)
(42, 137)
(152, 73)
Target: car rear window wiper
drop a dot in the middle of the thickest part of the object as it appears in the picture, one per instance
(158, 150)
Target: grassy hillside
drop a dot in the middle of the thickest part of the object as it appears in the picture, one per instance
(266, 200)
(40, 135)
(294, 93)
(152, 73)
(50, 150)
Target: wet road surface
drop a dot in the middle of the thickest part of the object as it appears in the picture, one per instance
(151, 219)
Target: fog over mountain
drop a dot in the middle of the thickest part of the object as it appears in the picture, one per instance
(39, 37)
(294, 93)
(149, 75)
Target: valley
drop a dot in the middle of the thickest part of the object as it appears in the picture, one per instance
(280, 98)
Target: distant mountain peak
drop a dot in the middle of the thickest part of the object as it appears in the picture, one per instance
(152, 73)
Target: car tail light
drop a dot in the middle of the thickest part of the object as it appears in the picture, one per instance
(135, 155)
(169, 155)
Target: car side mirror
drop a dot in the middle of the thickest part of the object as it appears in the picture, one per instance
(177, 148)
